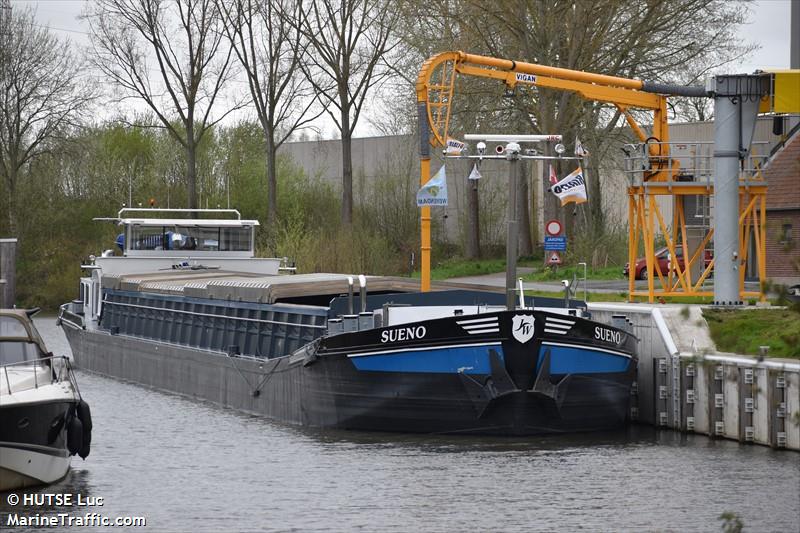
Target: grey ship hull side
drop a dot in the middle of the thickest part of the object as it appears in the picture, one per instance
(316, 386)
(200, 374)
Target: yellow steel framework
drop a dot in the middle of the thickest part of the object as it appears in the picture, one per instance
(646, 222)
(435, 90)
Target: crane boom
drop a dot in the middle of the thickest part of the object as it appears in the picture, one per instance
(435, 90)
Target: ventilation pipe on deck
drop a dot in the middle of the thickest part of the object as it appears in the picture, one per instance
(362, 283)
(349, 295)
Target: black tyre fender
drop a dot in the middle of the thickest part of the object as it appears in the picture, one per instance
(74, 434)
(85, 415)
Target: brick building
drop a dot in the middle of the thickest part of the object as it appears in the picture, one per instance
(782, 173)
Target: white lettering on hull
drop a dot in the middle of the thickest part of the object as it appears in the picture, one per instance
(607, 335)
(403, 334)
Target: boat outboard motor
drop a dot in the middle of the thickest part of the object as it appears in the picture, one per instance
(85, 416)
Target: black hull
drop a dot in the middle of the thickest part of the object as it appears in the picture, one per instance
(434, 404)
(33, 443)
(513, 387)
(38, 426)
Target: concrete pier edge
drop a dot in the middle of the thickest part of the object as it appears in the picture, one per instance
(686, 384)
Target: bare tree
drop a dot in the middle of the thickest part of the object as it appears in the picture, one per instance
(655, 41)
(42, 95)
(349, 39)
(269, 48)
(184, 40)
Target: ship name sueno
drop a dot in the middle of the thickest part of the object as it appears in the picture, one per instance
(607, 335)
(403, 334)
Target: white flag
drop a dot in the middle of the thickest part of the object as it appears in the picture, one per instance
(572, 188)
(434, 192)
(475, 174)
(454, 146)
(580, 151)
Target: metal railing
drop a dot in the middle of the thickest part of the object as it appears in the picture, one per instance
(59, 370)
(689, 162)
(125, 210)
(73, 319)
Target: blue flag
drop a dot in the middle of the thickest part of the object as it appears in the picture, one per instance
(434, 192)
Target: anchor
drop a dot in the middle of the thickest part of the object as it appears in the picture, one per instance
(497, 385)
(544, 388)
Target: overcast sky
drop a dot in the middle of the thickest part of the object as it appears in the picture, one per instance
(769, 28)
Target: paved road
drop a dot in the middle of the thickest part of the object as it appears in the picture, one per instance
(601, 286)
(499, 280)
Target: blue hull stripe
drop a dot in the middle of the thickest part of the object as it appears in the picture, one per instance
(582, 360)
(450, 360)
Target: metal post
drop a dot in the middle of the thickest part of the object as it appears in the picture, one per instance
(736, 100)
(512, 154)
(8, 261)
(585, 288)
(794, 40)
(349, 295)
(425, 212)
(794, 51)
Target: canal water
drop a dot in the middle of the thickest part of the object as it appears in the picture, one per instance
(191, 466)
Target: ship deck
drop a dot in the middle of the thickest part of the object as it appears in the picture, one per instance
(256, 288)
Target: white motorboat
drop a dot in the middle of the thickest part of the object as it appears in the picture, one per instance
(43, 420)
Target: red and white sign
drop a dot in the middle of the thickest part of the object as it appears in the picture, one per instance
(553, 228)
(554, 258)
(553, 177)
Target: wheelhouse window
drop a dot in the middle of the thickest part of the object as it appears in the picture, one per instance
(237, 239)
(148, 238)
(11, 327)
(17, 352)
(199, 238)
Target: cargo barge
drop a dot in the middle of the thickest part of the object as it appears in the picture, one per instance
(187, 308)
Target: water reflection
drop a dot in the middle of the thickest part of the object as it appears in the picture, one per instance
(192, 466)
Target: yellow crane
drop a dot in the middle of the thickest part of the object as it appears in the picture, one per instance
(435, 90)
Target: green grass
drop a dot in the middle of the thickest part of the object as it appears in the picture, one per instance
(622, 296)
(459, 268)
(743, 331)
(547, 274)
(590, 297)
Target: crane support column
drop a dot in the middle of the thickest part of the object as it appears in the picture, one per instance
(425, 212)
(736, 102)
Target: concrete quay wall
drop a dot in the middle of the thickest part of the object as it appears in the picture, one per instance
(684, 384)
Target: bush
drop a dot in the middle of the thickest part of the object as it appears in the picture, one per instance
(600, 249)
(310, 232)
